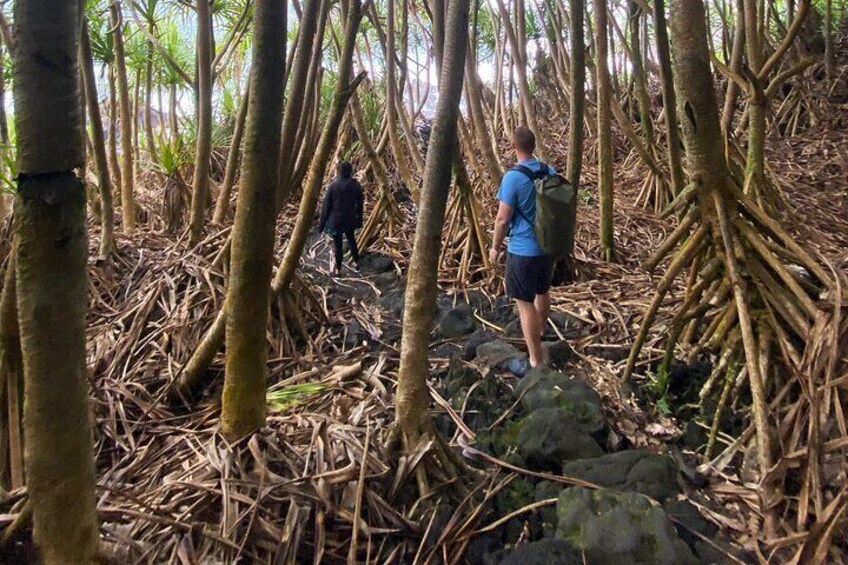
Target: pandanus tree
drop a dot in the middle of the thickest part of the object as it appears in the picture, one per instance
(127, 121)
(742, 299)
(244, 385)
(422, 281)
(101, 163)
(605, 103)
(203, 152)
(51, 252)
(243, 403)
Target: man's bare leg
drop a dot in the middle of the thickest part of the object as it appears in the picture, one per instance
(531, 327)
(543, 308)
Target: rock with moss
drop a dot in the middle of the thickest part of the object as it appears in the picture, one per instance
(456, 322)
(497, 355)
(518, 494)
(546, 490)
(550, 437)
(546, 388)
(636, 470)
(625, 529)
(543, 552)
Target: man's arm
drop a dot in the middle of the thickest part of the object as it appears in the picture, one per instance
(505, 212)
(360, 203)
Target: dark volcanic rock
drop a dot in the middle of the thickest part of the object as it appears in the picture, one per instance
(354, 335)
(376, 263)
(625, 529)
(513, 329)
(543, 552)
(456, 322)
(614, 353)
(392, 302)
(634, 471)
(546, 490)
(385, 280)
(688, 521)
(546, 388)
(446, 351)
(559, 353)
(496, 354)
(478, 338)
(550, 437)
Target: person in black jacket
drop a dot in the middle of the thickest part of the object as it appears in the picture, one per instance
(341, 214)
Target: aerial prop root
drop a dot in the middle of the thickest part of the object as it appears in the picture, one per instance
(741, 288)
(429, 456)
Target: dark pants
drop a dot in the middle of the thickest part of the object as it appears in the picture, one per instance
(339, 249)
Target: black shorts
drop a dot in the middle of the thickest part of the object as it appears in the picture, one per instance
(527, 277)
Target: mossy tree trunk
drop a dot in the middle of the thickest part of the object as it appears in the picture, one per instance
(422, 282)
(52, 248)
(203, 149)
(604, 91)
(243, 401)
(107, 211)
(127, 122)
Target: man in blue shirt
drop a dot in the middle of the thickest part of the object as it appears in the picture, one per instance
(528, 268)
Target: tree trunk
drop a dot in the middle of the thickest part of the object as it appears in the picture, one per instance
(114, 163)
(127, 123)
(148, 102)
(203, 153)
(243, 400)
(422, 283)
(605, 189)
(484, 138)
(391, 104)
(307, 135)
(222, 207)
(675, 161)
(296, 100)
(828, 41)
(639, 78)
(577, 110)
(11, 365)
(52, 282)
(107, 211)
(736, 54)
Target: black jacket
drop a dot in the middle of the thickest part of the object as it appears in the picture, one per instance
(342, 210)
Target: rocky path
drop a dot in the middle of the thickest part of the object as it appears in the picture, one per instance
(586, 494)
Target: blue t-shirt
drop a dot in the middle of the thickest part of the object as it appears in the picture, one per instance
(517, 191)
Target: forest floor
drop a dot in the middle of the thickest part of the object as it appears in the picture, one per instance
(321, 483)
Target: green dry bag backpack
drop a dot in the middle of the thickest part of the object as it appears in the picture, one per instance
(556, 210)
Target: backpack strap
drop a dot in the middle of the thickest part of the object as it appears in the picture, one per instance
(529, 173)
(533, 176)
